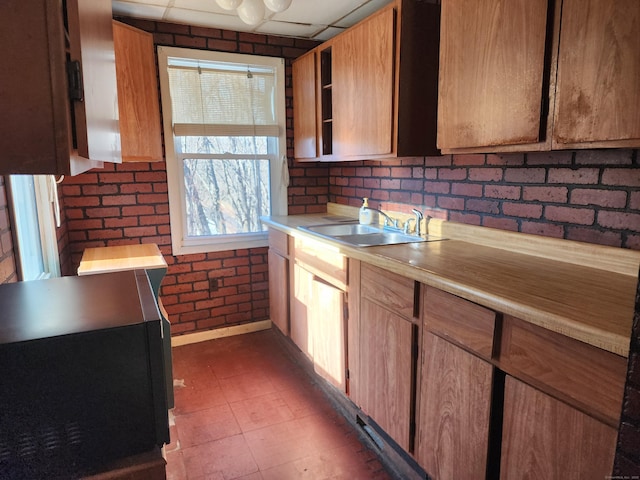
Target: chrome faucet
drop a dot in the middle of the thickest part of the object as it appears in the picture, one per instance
(419, 217)
(388, 221)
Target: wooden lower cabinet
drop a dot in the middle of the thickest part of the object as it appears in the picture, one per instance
(454, 415)
(546, 438)
(279, 291)
(318, 324)
(386, 370)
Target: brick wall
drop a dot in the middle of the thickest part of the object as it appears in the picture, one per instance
(128, 203)
(8, 271)
(591, 195)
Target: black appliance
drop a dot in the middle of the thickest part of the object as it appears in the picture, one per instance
(82, 374)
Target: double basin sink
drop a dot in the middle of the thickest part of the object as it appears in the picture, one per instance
(358, 235)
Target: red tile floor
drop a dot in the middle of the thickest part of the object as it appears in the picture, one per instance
(248, 411)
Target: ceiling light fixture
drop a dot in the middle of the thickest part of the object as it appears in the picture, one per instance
(252, 12)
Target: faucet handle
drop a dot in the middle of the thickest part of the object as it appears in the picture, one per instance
(407, 224)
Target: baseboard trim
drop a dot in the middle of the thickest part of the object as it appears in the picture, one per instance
(220, 333)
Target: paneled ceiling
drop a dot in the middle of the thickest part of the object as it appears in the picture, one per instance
(316, 19)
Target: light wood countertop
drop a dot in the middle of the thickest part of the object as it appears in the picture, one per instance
(593, 305)
(121, 257)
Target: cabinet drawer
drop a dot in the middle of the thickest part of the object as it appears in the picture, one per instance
(320, 260)
(459, 320)
(278, 241)
(586, 376)
(394, 291)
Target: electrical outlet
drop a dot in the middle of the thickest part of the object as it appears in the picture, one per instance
(213, 285)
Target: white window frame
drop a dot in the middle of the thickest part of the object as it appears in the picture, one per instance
(181, 244)
(37, 257)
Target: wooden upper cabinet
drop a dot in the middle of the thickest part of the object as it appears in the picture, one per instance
(598, 85)
(534, 75)
(375, 88)
(492, 67)
(40, 133)
(305, 137)
(362, 77)
(138, 103)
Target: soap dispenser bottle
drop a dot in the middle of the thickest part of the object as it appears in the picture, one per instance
(365, 216)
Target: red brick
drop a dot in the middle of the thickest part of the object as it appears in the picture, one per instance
(578, 216)
(206, 32)
(549, 158)
(472, 159)
(140, 231)
(603, 198)
(152, 198)
(512, 159)
(525, 175)
(485, 174)
(167, 27)
(502, 191)
(590, 235)
(604, 157)
(99, 189)
(194, 296)
(621, 176)
(115, 177)
(524, 210)
(544, 229)
(210, 322)
(401, 172)
(437, 187)
(222, 45)
(127, 188)
(451, 203)
(119, 200)
(85, 224)
(178, 328)
(582, 176)
(634, 201)
(546, 194)
(81, 201)
(190, 42)
(467, 189)
(452, 173)
(633, 242)
(121, 222)
(102, 212)
(387, 184)
(138, 210)
(104, 234)
(430, 173)
(400, 197)
(619, 220)
(380, 172)
(501, 223)
(484, 206)
(461, 217)
(441, 161)
(412, 185)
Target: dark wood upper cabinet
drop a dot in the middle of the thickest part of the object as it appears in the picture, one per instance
(46, 131)
(538, 75)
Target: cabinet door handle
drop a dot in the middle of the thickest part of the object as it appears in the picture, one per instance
(74, 78)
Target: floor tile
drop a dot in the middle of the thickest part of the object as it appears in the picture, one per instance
(246, 386)
(228, 458)
(262, 411)
(206, 425)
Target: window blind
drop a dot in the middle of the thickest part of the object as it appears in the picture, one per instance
(213, 99)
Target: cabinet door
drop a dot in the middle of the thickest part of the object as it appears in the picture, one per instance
(455, 401)
(545, 438)
(326, 319)
(598, 86)
(96, 116)
(279, 291)
(305, 143)
(363, 80)
(385, 373)
(138, 102)
(492, 67)
(300, 320)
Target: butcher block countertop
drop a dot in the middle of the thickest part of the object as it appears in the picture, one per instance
(583, 291)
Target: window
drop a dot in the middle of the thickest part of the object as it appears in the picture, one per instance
(225, 139)
(34, 204)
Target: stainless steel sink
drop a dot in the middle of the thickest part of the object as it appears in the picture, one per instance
(364, 235)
